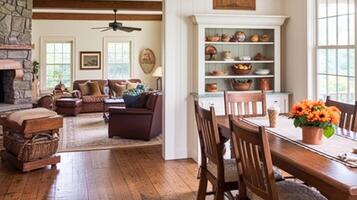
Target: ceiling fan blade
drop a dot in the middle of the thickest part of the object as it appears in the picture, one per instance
(129, 29)
(99, 27)
(109, 28)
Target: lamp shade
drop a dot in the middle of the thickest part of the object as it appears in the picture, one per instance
(157, 72)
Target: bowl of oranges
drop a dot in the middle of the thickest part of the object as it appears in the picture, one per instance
(242, 69)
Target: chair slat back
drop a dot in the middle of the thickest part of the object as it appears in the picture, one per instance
(251, 147)
(211, 147)
(245, 104)
(348, 114)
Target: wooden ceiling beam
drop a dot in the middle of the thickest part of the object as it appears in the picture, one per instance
(85, 16)
(98, 4)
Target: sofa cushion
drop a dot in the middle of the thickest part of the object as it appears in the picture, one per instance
(94, 99)
(94, 88)
(119, 89)
(84, 88)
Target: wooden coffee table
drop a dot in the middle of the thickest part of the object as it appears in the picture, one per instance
(114, 102)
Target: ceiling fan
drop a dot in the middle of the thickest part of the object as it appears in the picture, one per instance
(117, 26)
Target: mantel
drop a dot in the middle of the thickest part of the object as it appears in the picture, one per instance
(229, 19)
(7, 64)
(15, 47)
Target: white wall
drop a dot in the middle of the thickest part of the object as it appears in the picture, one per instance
(92, 40)
(180, 135)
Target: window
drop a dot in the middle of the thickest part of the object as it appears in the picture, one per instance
(118, 60)
(58, 59)
(335, 49)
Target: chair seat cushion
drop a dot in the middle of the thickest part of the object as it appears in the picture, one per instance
(230, 170)
(94, 99)
(288, 190)
(231, 173)
(295, 191)
(36, 113)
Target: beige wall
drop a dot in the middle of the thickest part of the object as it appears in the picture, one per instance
(295, 49)
(92, 40)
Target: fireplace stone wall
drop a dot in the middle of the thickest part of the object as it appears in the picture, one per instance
(15, 44)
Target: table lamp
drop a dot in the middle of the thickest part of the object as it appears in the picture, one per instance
(158, 74)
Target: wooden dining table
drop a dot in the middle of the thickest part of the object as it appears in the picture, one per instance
(333, 179)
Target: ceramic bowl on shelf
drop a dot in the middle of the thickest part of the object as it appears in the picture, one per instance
(245, 58)
(218, 73)
(262, 71)
(254, 38)
(211, 87)
(264, 38)
(242, 69)
(213, 38)
(241, 85)
(225, 38)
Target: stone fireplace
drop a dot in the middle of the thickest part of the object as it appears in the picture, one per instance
(15, 54)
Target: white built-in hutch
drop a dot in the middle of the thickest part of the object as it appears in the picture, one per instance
(207, 25)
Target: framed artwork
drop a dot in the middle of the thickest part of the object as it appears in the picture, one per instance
(234, 4)
(90, 60)
(147, 60)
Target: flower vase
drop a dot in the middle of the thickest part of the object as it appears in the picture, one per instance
(312, 135)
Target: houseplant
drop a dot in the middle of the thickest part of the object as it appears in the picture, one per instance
(35, 81)
(315, 119)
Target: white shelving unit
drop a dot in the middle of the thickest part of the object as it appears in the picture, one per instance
(218, 24)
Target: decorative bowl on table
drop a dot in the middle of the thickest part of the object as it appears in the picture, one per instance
(242, 69)
(211, 87)
(262, 71)
(241, 85)
(213, 38)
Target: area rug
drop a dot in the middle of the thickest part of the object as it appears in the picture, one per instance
(89, 132)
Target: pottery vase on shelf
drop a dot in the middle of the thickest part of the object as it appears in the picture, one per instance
(264, 84)
(240, 36)
(312, 135)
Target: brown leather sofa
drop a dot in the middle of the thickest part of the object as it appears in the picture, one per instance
(137, 123)
(95, 103)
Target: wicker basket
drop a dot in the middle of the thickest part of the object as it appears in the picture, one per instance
(40, 146)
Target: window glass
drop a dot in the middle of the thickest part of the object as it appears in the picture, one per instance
(118, 60)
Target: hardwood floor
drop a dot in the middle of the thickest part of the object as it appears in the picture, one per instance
(135, 173)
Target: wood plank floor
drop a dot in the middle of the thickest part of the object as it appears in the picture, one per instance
(134, 173)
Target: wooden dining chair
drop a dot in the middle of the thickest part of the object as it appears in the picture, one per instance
(257, 174)
(221, 173)
(348, 119)
(245, 104)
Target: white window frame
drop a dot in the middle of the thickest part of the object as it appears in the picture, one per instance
(107, 40)
(327, 46)
(49, 39)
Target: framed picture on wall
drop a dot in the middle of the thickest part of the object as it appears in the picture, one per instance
(234, 4)
(90, 60)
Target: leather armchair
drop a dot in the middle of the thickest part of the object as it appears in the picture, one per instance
(137, 123)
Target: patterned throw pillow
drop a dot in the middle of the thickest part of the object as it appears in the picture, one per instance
(94, 88)
(119, 89)
(84, 88)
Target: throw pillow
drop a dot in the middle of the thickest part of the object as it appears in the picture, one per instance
(119, 89)
(84, 88)
(131, 85)
(94, 88)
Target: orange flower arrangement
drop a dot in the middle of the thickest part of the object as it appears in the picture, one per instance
(317, 114)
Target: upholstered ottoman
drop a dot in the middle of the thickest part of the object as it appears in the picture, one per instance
(68, 106)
